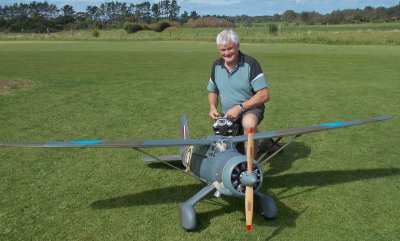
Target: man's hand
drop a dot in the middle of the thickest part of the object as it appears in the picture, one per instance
(214, 114)
(233, 112)
(213, 101)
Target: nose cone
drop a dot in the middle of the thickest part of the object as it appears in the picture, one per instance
(248, 179)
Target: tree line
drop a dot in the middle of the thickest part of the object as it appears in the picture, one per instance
(42, 16)
(39, 16)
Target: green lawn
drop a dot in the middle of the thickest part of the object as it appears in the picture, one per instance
(337, 34)
(337, 185)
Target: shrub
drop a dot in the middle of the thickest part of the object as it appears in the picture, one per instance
(95, 33)
(134, 27)
(209, 22)
(273, 29)
(161, 26)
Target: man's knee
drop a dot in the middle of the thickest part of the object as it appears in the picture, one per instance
(249, 121)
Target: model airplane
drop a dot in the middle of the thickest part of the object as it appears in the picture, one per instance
(215, 161)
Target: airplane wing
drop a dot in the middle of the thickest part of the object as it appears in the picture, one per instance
(308, 129)
(191, 142)
(111, 144)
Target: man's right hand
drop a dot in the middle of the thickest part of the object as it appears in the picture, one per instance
(214, 114)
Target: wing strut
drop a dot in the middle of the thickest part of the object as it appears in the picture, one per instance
(279, 150)
(168, 164)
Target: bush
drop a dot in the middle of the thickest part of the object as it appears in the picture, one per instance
(161, 26)
(273, 29)
(209, 22)
(95, 33)
(134, 27)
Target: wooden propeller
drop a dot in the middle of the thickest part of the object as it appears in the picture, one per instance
(249, 189)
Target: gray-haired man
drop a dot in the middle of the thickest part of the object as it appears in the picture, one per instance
(238, 80)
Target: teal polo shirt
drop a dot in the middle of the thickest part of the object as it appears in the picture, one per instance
(240, 84)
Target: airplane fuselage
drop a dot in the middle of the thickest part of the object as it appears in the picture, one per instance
(221, 162)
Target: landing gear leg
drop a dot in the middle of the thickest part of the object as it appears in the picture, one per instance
(187, 214)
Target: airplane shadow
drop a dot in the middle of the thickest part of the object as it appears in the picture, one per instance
(283, 161)
(286, 215)
(150, 197)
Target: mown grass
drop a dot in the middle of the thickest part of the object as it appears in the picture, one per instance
(342, 184)
(341, 34)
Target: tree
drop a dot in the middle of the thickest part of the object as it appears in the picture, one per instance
(37, 16)
(276, 18)
(143, 12)
(164, 8)
(336, 17)
(131, 11)
(68, 10)
(93, 12)
(194, 15)
(184, 17)
(155, 9)
(289, 16)
(369, 13)
(174, 10)
(304, 18)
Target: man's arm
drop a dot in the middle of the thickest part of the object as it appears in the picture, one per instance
(261, 97)
(213, 101)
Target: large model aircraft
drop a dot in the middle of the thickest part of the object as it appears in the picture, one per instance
(215, 161)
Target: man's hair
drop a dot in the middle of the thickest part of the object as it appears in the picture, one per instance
(227, 36)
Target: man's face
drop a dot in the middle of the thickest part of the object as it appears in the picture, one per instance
(229, 52)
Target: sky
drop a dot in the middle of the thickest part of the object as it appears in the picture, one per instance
(237, 7)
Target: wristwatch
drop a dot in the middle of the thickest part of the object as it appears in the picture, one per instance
(242, 109)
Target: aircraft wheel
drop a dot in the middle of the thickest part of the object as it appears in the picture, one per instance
(266, 205)
(187, 216)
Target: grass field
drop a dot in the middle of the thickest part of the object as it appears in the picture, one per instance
(340, 34)
(337, 185)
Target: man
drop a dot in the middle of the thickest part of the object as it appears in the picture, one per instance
(238, 80)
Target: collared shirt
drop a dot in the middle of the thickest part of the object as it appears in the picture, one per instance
(240, 84)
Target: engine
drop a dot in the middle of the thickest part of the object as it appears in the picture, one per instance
(221, 162)
(233, 172)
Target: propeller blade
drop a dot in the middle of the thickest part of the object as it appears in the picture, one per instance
(249, 189)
